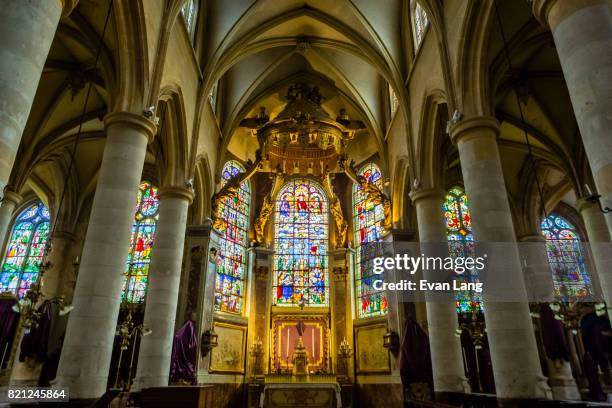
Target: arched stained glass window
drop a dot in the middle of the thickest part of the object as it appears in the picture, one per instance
(367, 219)
(566, 257)
(231, 260)
(25, 250)
(141, 244)
(461, 244)
(300, 244)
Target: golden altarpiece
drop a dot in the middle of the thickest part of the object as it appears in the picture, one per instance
(287, 305)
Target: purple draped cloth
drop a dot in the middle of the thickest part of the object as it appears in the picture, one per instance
(553, 335)
(35, 343)
(184, 354)
(415, 356)
(8, 326)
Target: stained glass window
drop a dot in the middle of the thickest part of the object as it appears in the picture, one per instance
(231, 259)
(421, 22)
(300, 242)
(141, 244)
(25, 250)
(367, 219)
(461, 244)
(566, 257)
(189, 12)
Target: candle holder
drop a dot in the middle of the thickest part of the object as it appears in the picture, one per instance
(345, 352)
(128, 334)
(256, 351)
(475, 327)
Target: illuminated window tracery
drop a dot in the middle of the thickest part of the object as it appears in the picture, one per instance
(461, 244)
(141, 244)
(232, 259)
(367, 219)
(566, 257)
(300, 243)
(25, 250)
(421, 22)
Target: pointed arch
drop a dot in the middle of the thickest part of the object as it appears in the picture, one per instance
(301, 240)
(25, 249)
(368, 218)
(566, 257)
(232, 257)
(136, 275)
(460, 239)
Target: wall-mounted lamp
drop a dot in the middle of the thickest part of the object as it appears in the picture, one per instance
(209, 341)
(391, 342)
(594, 198)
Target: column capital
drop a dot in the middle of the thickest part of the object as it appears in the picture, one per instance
(177, 192)
(582, 204)
(137, 122)
(552, 12)
(426, 194)
(531, 238)
(467, 126)
(13, 197)
(68, 6)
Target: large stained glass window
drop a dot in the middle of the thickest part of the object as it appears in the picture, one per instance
(566, 257)
(300, 242)
(25, 250)
(232, 259)
(461, 244)
(367, 219)
(141, 244)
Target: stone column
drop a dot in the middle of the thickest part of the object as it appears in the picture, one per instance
(59, 256)
(87, 350)
(599, 245)
(194, 274)
(540, 288)
(536, 269)
(259, 299)
(208, 302)
(9, 202)
(155, 351)
(446, 353)
(340, 305)
(27, 29)
(514, 354)
(582, 31)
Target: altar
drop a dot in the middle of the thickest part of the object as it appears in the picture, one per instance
(313, 391)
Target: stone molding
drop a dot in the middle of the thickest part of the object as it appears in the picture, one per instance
(177, 192)
(543, 10)
(137, 122)
(468, 127)
(426, 194)
(12, 196)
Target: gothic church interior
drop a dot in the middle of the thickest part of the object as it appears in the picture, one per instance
(193, 194)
